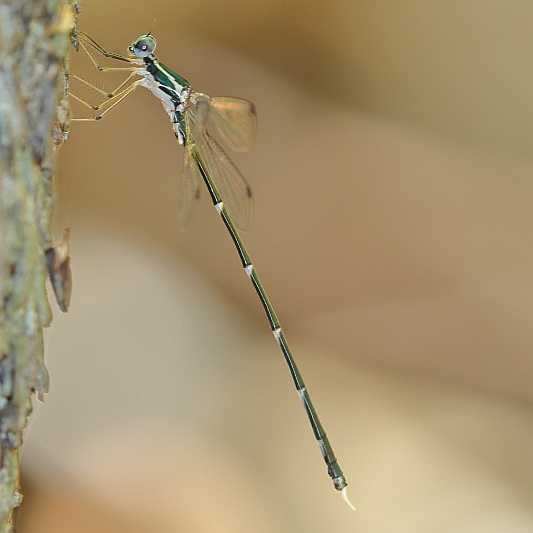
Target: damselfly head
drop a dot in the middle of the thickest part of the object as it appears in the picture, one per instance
(143, 46)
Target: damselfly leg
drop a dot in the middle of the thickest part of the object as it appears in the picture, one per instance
(84, 103)
(85, 40)
(102, 92)
(90, 85)
(107, 105)
(114, 97)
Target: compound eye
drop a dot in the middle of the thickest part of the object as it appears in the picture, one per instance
(143, 46)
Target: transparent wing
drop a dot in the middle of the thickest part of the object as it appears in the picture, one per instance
(196, 116)
(188, 190)
(235, 191)
(233, 121)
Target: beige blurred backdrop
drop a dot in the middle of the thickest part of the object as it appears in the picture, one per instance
(393, 177)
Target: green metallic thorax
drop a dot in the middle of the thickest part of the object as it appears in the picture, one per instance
(180, 80)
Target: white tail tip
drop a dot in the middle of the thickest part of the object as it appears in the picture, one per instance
(344, 493)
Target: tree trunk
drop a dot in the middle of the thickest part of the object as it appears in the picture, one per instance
(34, 39)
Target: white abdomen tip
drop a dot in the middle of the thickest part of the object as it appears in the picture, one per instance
(249, 270)
(277, 333)
(344, 494)
(219, 207)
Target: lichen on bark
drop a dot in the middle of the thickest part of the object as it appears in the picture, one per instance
(34, 40)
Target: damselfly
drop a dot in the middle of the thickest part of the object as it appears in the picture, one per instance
(207, 127)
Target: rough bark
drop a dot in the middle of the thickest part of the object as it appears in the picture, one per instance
(34, 38)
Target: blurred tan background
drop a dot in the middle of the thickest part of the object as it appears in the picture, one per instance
(393, 177)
